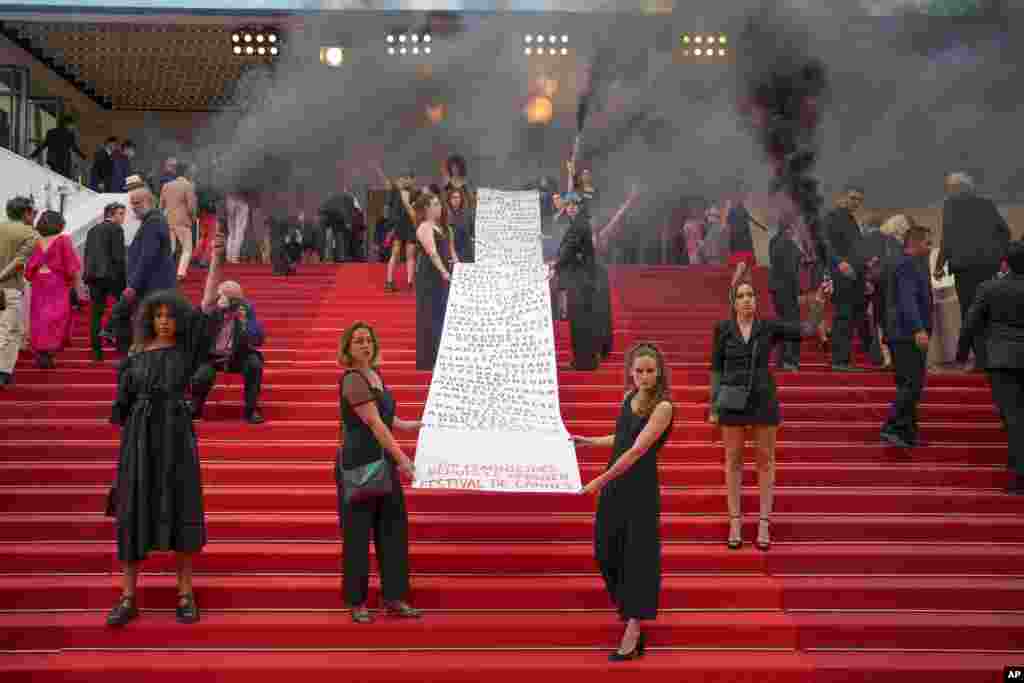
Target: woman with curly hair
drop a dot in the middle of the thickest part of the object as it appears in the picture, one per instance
(627, 540)
(157, 499)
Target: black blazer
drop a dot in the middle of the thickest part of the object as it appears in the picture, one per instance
(997, 314)
(974, 233)
(105, 259)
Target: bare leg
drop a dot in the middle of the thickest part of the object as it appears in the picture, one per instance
(733, 438)
(410, 261)
(766, 437)
(396, 250)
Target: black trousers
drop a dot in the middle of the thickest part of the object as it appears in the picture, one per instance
(1008, 394)
(967, 282)
(250, 366)
(850, 308)
(99, 292)
(910, 364)
(787, 307)
(387, 519)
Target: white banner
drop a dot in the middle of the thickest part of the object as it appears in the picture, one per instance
(492, 421)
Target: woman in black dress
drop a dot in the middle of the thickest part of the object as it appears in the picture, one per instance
(367, 418)
(400, 215)
(741, 349)
(627, 540)
(433, 273)
(157, 498)
(576, 270)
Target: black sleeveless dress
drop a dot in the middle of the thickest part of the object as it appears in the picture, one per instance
(431, 301)
(627, 538)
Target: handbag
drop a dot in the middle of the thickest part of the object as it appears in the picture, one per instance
(733, 398)
(365, 482)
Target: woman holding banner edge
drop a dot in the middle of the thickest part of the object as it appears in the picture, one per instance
(627, 539)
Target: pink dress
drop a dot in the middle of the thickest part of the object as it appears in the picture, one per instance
(50, 309)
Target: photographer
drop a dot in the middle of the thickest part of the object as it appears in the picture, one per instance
(235, 333)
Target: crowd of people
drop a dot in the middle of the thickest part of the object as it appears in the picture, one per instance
(879, 282)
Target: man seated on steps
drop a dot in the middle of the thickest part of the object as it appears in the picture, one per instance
(235, 332)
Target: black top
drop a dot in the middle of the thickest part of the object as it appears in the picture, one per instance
(360, 446)
(740, 239)
(843, 236)
(974, 233)
(731, 356)
(576, 259)
(105, 255)
(998, 314)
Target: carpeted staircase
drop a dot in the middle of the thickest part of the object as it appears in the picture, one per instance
(886, 566)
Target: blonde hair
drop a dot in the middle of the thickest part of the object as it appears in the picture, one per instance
(896, 226)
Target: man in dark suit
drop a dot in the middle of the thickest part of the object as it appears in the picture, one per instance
(150, 263)
(105, 268)
(843, 237)
(997, 315)
(784, 283)
(974, 239)
(908, 326)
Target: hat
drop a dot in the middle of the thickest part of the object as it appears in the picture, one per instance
(133, 182)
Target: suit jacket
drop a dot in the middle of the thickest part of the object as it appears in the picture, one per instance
(997, 314)
(908, 292)
(785, 257)
(179, 202)
(16, 239)
(105, 255)
(842, 236)
(974, 233)
(150, 258)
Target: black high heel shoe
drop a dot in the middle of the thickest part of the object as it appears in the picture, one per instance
(636, 653)
(735, 543)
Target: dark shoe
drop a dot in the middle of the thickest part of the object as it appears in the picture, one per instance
(735, 543)
(895, 439)
(187, 613)
(839, 367)
(255, 417)
(123, 612)
(361, 615)
(402, 610)
(763, 545)
(636, 653)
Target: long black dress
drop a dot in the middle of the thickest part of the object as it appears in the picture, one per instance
(627, 538)
(158, 497)
(733, 359)
(577, 274)
(431, 301)
(386, 516)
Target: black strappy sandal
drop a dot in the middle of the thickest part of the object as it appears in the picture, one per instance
(187, 611)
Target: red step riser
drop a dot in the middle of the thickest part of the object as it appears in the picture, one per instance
(103, 450)
(534, 559)
(303, 474)
(241, 528)
(231, 408)
(283, 431)
(674, 501)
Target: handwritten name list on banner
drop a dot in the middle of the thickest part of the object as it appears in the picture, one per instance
(492, 418)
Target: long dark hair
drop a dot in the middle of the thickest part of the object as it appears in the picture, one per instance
(145, 330)
(663, 389)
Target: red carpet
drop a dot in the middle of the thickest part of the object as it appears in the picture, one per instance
(887, 566)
